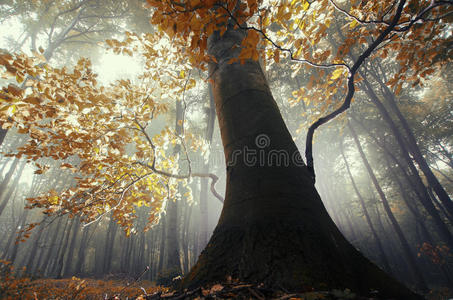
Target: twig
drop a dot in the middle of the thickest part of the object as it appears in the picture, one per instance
(255, 293)
(129, 285)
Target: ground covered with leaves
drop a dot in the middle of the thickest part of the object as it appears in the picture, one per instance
(14, 284)
(238, 290)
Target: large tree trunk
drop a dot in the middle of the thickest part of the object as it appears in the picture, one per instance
(274, 227)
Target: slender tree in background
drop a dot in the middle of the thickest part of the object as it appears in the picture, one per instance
(407, 250)
(366, 214)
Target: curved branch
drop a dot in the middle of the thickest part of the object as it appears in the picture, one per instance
(214, 180)
(351, 89)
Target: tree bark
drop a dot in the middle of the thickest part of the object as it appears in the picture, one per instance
(273, 227)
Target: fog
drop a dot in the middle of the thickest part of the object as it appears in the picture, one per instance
(364, 164)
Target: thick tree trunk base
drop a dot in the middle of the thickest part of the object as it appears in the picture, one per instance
(290, 256)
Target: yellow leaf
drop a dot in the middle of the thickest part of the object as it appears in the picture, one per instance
(54, 199)
(328, 23)
(353, 24)
(337, 73)
(12, 109)
(19, 77)
(306, 5)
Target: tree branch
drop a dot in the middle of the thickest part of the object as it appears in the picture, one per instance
(350, 88)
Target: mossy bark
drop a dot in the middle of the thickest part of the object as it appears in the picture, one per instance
(273, 228)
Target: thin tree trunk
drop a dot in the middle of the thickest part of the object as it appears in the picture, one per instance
(424, 198)
(415, 150)
(44, 260)
(52, 256)
(204, 181)
(172, 257)
(69, 258)
(185, 236)
(6, 180)
(109, 244)
(33, 250)
(419, 220)
(382, 255)
(173, 262)
(88, 233)
(419, 280)
(15, 248)
(13, 188)
(419, 188)
(62, 251)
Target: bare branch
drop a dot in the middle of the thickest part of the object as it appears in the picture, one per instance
(361, 21)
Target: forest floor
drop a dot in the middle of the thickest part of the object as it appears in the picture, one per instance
(77, 288)
(24, 287)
